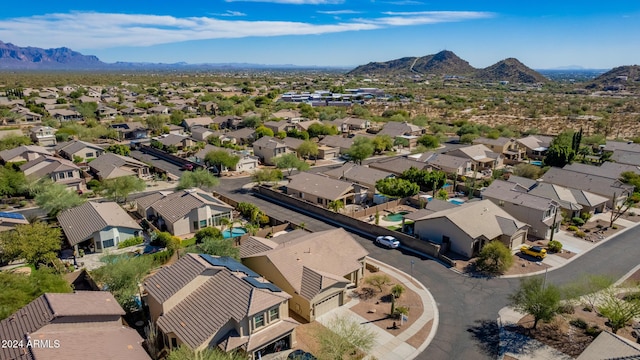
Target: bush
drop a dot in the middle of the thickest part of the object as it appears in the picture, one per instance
(614, 227)
(572, 228)
(593, 331)
(566, 309)
(579, 323)
(577, 221)
(161, 257)
(187, 242)
(208, 232)
(494, 258)
(130, 242)
(580, 234)
(585, 216)
(555, 246)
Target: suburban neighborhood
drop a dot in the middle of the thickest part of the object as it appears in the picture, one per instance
(268, 221)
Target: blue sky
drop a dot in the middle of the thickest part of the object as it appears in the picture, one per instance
(541, 34)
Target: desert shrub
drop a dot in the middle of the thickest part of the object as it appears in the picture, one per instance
(366, 293)
(592, 331)
(614, 227)
(566, 309)
(130, 242)
(579, 323)
(577, 221)
(378, 280)
(494, 258)
(208, 232)
(555, 246)
(585, 216)
(572, 228)
(161, 257)
(580, 234)
(632, 297)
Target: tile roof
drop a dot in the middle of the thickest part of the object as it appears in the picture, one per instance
(174, 206)
(398, 165)
(622, 146)
(432, 206)
(358, 174)
(536, 142)
(7, 155)
(446, 161)
(53, 164)
(80, 222)
(322, 186)
(109, 165)
(475, 152)
(394, 128)
(591, 183)
(73, 146)
(322, 259)
(172, 139)
(610, 346)
(224, 297)
(515, 194)
(292, 143)
(501, 141)
(626, 157)
(201, 121)
(242, 134)
(479, 218)
(269, 142)
(607, 169)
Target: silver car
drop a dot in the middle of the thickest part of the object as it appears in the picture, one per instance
(388, 241)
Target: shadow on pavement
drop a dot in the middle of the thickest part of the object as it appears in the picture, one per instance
(486, 333)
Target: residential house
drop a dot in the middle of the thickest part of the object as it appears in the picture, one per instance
(106, 112)
(226, 122)
(190, 123)
(321, 190)
(606, 169)
(133, 130)
(452, 165)
(614, 190)
(361, 175)
(201, 133)
(159, 110)
(466, 229)
(183, 212)
(78, 150)
(43, 135)
(626, 157)
(539, 212)
(403, 130)
(61, 171)
(9, 220)
(111, 166)
(181, 142)
(304, 125)
(398, 165)
(205, 301)
(608, 345)
(286, 114)
(613, 146)
(349, 124)
(97, 226)
(65, 114)
(535, 146)
(337, 142)
(23, 153)
(83, 322)
(132, 111)
(246, 162)
(511, 149)
(242, 136)
(278, 126)
(176, 130)
(314, 268)
(268, 148)
(484, 160)
(327, 152)
(292, 143)
(23, 115)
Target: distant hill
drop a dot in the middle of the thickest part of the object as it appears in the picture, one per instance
(619, 78)
(511, 70)
(16, 57)
(446, 63)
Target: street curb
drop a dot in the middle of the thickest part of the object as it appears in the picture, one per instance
(436, 314)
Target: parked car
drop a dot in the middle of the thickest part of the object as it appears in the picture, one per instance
(300, 355)
(187, 167)
(537, 252)
(388, 241)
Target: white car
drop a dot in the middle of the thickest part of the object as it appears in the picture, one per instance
(388, 241)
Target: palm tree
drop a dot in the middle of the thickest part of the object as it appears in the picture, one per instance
(225, 222)
(336, 205)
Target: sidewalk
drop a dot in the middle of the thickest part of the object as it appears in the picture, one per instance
(388, 346)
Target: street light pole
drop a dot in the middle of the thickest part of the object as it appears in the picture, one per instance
(412, 262)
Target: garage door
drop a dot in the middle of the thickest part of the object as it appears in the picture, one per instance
(517, 242)
(326, 305)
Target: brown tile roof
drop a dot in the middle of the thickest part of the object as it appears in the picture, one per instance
(7, 155)
(327, 257)
(53, 165)
(109, 165)
(169, 280)
(357, 173)
(591, 183)
(174, 206)
(319, 185)
(398, 165)
(223, 298)
(81, 221)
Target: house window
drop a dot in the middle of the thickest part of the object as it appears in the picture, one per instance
(174, 343)
(319, 200)
(195, 225)
(107, 243)
(274, 314)
(70, 174)
(88, 155)
(258, 321)
(61, 175)
(203, 223)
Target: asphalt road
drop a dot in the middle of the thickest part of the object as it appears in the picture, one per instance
(468, 306)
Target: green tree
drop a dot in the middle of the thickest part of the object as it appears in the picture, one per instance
(36, 243)
(618, 311)
(335, 205)
(13, 141)
(88, 110)
(378, 280)
(207, 233)
(536, 298)
(467, 138)
(119, 149)
(185, 353)
(263, 131)
(267, 175)
(344, 338)
(221, 159)
(307, 149)
(397, 290)
(176, 117)
(155, 123)
(216, 246)
(396, 187)
(289, 162)
(587, 289)
(17, 290)
(200, 178)
(12, 182)
(118, 189)
(121, 277)
(494, 258)
(429, 141)
(528, 171)
(561, 151)
(317, 129)
(54, 198)
(361, 149)
(382, 143)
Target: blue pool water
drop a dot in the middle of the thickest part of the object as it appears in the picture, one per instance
(236, 231)
(456, 201)
(535, 162)
(395, 217)
(446, 186)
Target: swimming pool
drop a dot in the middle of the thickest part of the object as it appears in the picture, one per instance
(535, 162)
(456, 201)
(395, 217)
(236, 231)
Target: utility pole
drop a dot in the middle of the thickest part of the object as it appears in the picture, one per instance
(553, 227)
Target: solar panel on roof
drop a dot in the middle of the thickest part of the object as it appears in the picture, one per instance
(229, 263)
(8, 215)
(208, 197)
(262, 285)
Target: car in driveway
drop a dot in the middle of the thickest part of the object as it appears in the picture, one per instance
(537, 252)
(300, 355)
(187, 167)
(388, 241)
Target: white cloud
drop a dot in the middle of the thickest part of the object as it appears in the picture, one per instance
(339, 12)
(90, 30)
(231, 13)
